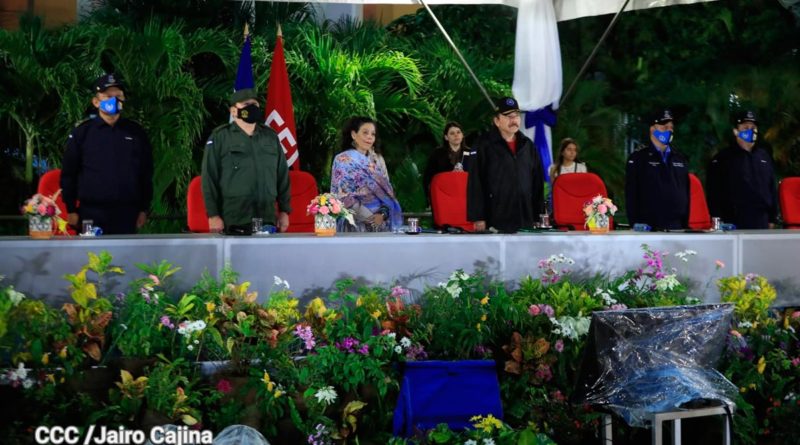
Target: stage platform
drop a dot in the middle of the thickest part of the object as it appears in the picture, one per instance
(311, 264)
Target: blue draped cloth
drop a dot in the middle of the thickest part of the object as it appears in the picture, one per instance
(538, 119)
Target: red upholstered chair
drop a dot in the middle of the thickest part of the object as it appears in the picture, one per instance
(789, 193)
(570, 193)
(699, 217)
(196, 216)
(303, 190)
(49, 185)
(449, 200)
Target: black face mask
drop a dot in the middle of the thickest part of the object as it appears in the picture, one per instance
(251, 114)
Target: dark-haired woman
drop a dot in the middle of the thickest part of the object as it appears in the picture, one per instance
(452, 156)
(567, 161)
(359, 177)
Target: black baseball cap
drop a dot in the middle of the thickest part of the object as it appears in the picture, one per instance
(746, 116)
(506, 105)
(243, 95)
(661, 117)
(107, 81)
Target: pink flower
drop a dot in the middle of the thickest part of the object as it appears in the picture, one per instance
(796, 361)
(796, 314)
(559, 345)
(313, 209)
(324, 210)
(719, 264)
(602, 209)
(41, 209)
(336, 208)
(224, 386)
(154, 279)
(51, 211)
(587, 210)
(534, 310)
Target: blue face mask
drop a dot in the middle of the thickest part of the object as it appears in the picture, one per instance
(749, 135)
(110, 106)
(665, 137)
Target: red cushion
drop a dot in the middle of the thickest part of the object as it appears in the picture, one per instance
(196, 216)
(449, 200)
(49, 185)
(570, 193)
(303, 190)
(789, 192)
(699, 217)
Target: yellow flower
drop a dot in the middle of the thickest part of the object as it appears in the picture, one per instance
(752, 386)
(278, 393)
(485, 300)
(483, 317)
(51, 378)
(487, 424)
(359, 302)
(266, 380)
(63, 352)
(323, 200)
(376, 314)
(742, 390)
(478, 326)
(762, 364)
(46, 358)
(210, 306)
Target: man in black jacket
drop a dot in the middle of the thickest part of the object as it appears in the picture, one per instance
(108, 166)
(657, 180)
(506, 183)
(741, 180)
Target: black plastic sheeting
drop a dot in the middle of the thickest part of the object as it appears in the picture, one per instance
(639, 362)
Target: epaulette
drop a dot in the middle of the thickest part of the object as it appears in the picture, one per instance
(87, 120)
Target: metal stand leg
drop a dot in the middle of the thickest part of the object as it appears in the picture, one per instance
(606, 431)
(676, 432)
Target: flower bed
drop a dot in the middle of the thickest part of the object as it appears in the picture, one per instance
(328, 371)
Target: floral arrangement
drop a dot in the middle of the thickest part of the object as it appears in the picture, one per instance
(45, 207)
(597, 212)
(328, 204)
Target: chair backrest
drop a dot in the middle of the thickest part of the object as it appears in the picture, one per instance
(303, 190)
(699, 217)
(789, 192)
(570, 193)
(49, 184)
(449, 200)
(196, 216)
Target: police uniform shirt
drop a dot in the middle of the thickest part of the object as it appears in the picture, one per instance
(657, 188)
(108, 166)
(742, 187)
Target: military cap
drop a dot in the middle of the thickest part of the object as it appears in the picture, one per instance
(661, 117)
(107, 81)
(243, 95)
(506, 105)
(746, 116)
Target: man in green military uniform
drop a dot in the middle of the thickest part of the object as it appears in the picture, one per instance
(245, 170)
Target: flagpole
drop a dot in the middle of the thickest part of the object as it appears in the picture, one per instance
(458, 53)
(594, 53)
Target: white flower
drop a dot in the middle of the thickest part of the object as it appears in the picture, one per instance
(326, 395)
(281, 282)
(745, 324)
(458, 275)
(405, 342)
(392, 335)
(488, 441)
(571, 327)
(15, 296)
(20, 373)
(669, 282)
(398, 349)
(470, 442)
(27, 383)
(190, 347)
(197, 342)
(454, 290)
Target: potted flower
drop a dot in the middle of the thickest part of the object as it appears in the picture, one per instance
(326, 209)
(598, 213)
(41, 211)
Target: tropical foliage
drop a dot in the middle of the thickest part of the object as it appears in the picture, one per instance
(179, 63)
(331, 371)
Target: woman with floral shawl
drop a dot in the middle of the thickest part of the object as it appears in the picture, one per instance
(360, 179)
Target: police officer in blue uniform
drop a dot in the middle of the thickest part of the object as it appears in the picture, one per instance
(657, 180)
(107, 170)
(741, 180)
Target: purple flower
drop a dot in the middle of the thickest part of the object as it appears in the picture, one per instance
(416, 352)
(364, 349)
(165, 321)
(400, 292)
(548, 310)
(543, 373)
(618, 307)
(559, 345)
(305, 334)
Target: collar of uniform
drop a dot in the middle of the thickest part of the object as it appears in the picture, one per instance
(499, 137)
(99, 122)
